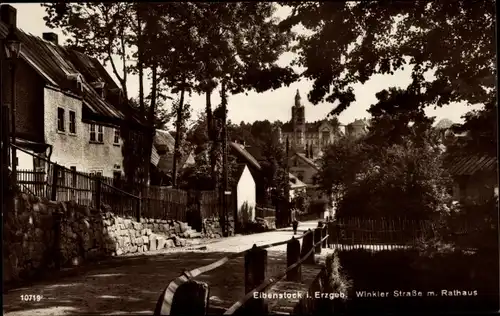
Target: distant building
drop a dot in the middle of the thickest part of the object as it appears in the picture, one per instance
(243, 156)
(475, 178)
(310, 138)
(163, 158)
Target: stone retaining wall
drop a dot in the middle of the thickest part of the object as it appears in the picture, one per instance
(211, 227)
(33, 226)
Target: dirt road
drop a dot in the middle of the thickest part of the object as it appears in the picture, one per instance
(132, 285)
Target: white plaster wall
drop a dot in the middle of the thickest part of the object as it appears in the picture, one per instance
(246, 192)
(76, 149)
(25, 161)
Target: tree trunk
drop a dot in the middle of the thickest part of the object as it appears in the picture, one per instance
(151, 122)
(208, 110)
(140, 63)
(225, 230)
(211, 134)
(177, 138)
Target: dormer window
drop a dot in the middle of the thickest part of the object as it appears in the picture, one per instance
(99, 87)
(76, 81)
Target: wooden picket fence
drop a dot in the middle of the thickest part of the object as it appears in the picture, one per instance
(379, 233)
(264, 212)
(58, 183)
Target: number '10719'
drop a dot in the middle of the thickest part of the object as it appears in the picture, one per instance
(31, 297)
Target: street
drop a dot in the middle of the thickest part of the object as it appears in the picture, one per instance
(131, 285)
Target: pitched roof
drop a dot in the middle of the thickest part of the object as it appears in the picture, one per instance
(256, 152)
(238, 171)
(163, 138)
(55, 63)
(295, 183)
(472, 164)
(166, 162)
(307, 160)
(240, 150)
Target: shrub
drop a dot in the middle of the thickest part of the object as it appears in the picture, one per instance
(335, 281)
(317, 206)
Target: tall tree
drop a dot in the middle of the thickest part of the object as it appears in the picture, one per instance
(231, 51)
(454, 38)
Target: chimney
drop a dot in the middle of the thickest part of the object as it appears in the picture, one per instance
(51, 37)
(8, 15)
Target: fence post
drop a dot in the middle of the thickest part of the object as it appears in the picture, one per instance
(307, 245)
(318, 234)
(255, 274)
(292, 257)
(55, 178)
(98, 188)
(324, 232)
(190, 298)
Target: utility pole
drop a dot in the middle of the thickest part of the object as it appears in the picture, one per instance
(225, 230)
(287, 185)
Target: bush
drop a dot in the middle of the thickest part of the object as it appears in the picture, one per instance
(317, 206)
(408, 270)
(301, 202)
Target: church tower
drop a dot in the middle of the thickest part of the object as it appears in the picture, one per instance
(298, 125)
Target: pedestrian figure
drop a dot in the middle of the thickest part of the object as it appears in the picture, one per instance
(295, 224)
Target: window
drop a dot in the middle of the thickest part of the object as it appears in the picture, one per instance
(60, 119)
(92, 133)
(100, 134)
(72, 122)
(116, 139)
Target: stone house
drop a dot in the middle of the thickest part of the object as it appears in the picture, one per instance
(310, 138)
(307, 136)
(69, 109)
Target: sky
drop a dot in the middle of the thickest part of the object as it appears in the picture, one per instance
(270, 105)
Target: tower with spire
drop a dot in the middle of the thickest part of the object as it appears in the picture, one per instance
(298, 124)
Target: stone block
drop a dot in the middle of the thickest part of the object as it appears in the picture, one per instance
(177, 228)
(170, 243)
(152, 242)
(144, 248)
(184, 227)
(145, 239)
(161, 242)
